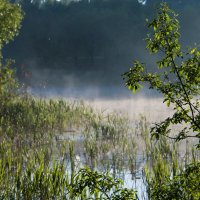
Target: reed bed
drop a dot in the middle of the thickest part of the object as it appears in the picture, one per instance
(49, 149)
(32, 176)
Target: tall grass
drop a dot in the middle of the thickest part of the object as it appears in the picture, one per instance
(34, 161)
(40, 179)
(168, 164)
(41, 141)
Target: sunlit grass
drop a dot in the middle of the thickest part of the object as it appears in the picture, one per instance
(45, 142)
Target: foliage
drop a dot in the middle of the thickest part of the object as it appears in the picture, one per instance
(103, 183)
(35, 178)
(169, 175)
(178, 81)
(10, 18)
(182, 187)
(8, 82)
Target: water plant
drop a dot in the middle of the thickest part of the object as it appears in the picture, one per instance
(36, 179)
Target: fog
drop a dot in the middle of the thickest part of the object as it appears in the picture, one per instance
(153, 108)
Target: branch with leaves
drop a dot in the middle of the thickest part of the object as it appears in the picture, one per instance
(107, 187)
(179, 81)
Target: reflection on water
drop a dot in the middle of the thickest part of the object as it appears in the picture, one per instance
(116, 139)
(122, 163)
(119, 142)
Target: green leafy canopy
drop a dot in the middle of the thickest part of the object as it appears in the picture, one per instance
(178, 81)
(10, 19)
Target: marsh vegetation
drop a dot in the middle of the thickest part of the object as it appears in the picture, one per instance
(58, 149)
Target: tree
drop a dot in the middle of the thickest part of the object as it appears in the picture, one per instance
(178, 81)
(10, 19)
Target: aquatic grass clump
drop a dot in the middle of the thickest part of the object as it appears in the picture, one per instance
(37, 180)
(33, 120)
(183, 186)
(170, 178)
(165, 171)
(108, 143)
(166, 162)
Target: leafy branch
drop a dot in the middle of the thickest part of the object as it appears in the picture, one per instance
(179, 81)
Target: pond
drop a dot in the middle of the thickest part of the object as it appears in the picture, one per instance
(121, 144)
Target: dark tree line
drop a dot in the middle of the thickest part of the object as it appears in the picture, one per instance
(81, 38)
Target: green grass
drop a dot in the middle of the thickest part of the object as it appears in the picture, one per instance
(36, 164)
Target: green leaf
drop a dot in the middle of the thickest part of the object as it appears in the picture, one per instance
(168, 103)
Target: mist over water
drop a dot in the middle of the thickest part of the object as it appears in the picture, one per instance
(112, 99)
(152, 108)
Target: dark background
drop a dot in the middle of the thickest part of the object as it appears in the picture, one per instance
(82, 47)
